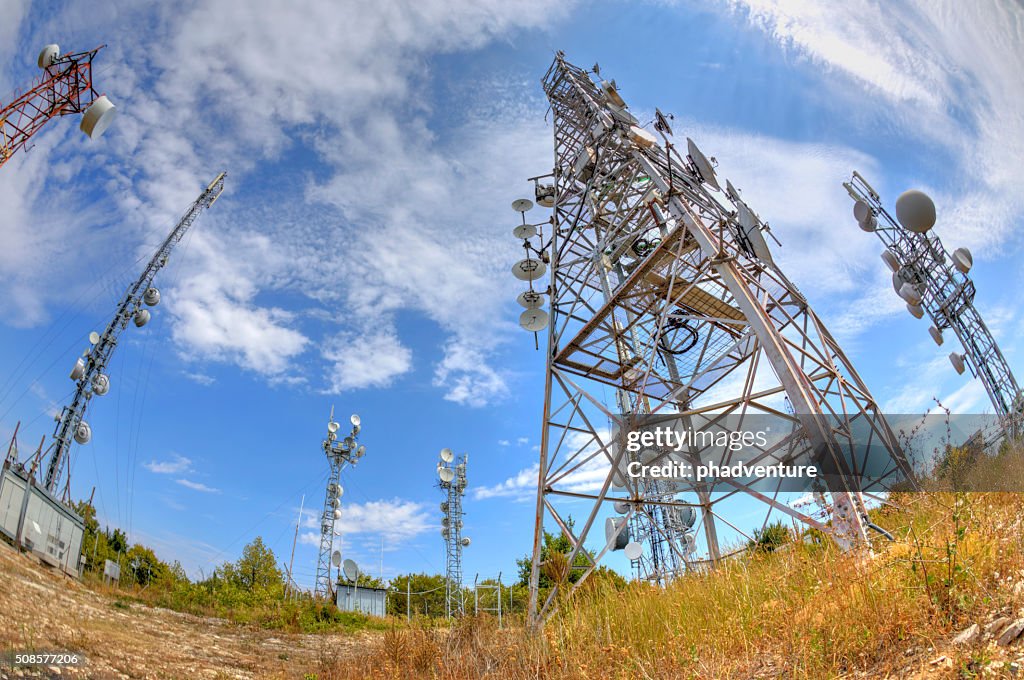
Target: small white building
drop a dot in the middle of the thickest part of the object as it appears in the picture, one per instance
(354, 598)
(34, 520)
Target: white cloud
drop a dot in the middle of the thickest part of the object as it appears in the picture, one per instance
(396, 519)
(196, 486)
(177, 465)
(371, 359)
(504, 442)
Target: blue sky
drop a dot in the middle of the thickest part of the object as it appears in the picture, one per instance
(359, 256)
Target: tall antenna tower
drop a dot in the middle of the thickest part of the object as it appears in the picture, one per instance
(65, 87)
(90, 370)
(934, 281)
(664, 290)
(348, 451)
(452, 474)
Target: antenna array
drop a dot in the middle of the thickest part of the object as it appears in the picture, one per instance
(348, 451)
(66, 87)
(89, 371)
(662, 288)
(934, 281)
(451, 472)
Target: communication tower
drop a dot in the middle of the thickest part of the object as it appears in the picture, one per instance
(90, 370)
(65, 87)
(451, 472)
(348, 451)
(663, 292)
(934, 281)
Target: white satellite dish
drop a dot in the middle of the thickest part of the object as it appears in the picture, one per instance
(446, 474)
(355, 420)
(752, 230)
(687, 516)
(98, 117)
(621, 507)
(690, 542)
(339, 492)
(962, 260)
(350, 569)
(100, 384)
(444, 506)
(335, 503)
(78, 370)
(909, 292)
(94, 337)
(915, 211)
(465, 541)
(83, 433)
(141, 318)
(522, 204)
(445, 522)
(447, 455)
(530, 299)
(890, 260)
(870, 224)
(529, 269)
(611, 525)
(936, 335)
(361, 451)
(534, 320)
(861, 211)
(642, 137)
(634, 550)
(332, 427)
(958, 362)
(337, 514)
(336, 558)
(151, 297)
(50, 54)
(525, 231)
(917, 311)
(612, 94)
(703, 165)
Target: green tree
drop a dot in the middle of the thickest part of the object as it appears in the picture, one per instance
(770, 538)
(256, 571)
(427, 596)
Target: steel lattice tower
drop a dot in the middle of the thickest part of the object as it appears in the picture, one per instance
(66, 87)
(452, 474)
(89, 372)
(663, 292)
(934, 281)
(339, 454)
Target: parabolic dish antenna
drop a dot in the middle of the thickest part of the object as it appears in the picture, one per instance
(642, 137)
(522, 204)
(332, 427)
(915, 211)
(49, 55)
(446, 474)
(534, 320)
(634, 550)
(752, 230)
(936, 335)
(861, 211)
(621, 507)
(465, 541)
(355, 420)
(917, 311)
(529, 269)
(530, 299)
(869, 225)
(909, 292)
(962, 260)
(336, 558)
(612, 94)
(890, 260)
(703, 165)
(525, 231)
(337, 515)
(958, 362)
(94, 337)
(350, 569)
(690, 541)
(98, 117)
(611, 525)
(447, 455)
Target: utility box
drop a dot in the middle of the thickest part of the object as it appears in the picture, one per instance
(354, 598)
(34, 520)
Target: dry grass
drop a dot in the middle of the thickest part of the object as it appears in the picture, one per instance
(804, 612)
